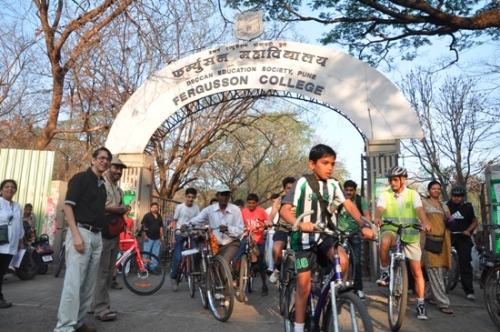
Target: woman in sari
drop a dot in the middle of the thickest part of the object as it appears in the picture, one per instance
(437, 264)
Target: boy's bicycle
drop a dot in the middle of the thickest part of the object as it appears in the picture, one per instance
(287, 272)
(331, 306)
(187, 267)
(136, 275)
(213, 277)
(398, 284)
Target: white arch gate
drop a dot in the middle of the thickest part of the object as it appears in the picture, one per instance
(364, 95)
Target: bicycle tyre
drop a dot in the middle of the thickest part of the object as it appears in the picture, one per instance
(348, 306)
(286, 274)
(221, 291)
(289, 312)
(143, 282)
(202, 282)
(492, 295)
(61, 261)
(29, 266)
(282, 290)
(244, 275)
(182, 270)
(352, 264)
(454, 274)
(190, 276)
(398, 297)
(251, 273)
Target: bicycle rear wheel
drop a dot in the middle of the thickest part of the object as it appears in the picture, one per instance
(190, 276)
(142, 281)
(398, 296)
(61, 261)
(286, 274)
(220, 291)
(351, 315)
(289, 316)
(492, 295)
(244, 275)
(452, 277)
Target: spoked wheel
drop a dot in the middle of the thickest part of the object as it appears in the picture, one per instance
(453, 276)
(351, 315)
(289, 316)
(492, 295)
(60, 261)
(29, 266)
(143, 281)
(201, 280)
(398, 296)
(220, 291)
(244, 275)
(190, 277)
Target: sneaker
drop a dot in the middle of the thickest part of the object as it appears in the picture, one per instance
(384, 279)
(421, 312)
(360, 294)
(471, 297)
(273, 278)
(116, 285)
(4, 304)
(175, 285)
(264, 291)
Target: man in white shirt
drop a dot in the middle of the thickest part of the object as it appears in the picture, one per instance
(226, 222)
(183, 213)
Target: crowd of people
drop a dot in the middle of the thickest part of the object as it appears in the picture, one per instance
(97, 219)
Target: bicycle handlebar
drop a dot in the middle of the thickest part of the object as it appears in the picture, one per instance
(399, 224)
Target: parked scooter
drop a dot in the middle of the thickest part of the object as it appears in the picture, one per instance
(38, 254)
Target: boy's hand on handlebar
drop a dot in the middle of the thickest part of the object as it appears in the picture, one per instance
(306, 226)
(367, 232)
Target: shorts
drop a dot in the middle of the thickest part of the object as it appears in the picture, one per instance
(305, 259)
(280, 235)
(412, 251)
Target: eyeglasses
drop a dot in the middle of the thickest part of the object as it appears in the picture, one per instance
(102, 158)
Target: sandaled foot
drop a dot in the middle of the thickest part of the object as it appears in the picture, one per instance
(107, 317)
(447, 311)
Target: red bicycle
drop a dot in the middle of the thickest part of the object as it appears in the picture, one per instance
(136, 275)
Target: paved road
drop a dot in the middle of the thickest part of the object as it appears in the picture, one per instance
(36, 302)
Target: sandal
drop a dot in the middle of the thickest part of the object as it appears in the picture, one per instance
(107, 317)
(447, 311)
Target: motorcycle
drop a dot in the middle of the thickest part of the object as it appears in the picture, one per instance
(37, 256)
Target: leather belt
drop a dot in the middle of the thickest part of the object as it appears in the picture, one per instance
(90, 228)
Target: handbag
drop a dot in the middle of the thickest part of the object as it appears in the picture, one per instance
(115, 224)
(434, 244)
(4, 234)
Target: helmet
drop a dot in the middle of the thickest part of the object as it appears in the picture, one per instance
(458, 191)
(397, 171)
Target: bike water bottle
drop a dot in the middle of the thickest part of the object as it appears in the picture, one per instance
(338, 269)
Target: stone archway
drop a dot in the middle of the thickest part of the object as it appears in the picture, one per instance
(359, 91)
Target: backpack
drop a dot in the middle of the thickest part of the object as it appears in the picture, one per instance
(358, 204)
(314, 184)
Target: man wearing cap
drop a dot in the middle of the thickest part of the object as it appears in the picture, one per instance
(226, 222)
(110, 242)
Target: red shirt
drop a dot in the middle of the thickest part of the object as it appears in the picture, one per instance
(254, 219)
(125, 236)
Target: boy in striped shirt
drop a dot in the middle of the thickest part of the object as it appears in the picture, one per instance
(301, 196)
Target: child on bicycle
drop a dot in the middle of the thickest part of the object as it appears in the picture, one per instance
(307, 245)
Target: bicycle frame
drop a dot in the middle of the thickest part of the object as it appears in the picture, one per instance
(135, 248)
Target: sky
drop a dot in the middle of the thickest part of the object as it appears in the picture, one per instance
(345, 139)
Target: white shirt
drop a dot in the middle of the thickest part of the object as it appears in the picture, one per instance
(231, 218)
(183, 214)
(16, 229)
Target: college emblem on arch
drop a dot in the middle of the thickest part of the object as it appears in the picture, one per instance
(249, 25)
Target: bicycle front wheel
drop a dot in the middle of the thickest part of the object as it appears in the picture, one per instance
(398, 296)
(60, 261)
(351, 315)
(244, 275)
(140, 280)
(190, 276)
(289, 316)
(220, 290)
(492, 295)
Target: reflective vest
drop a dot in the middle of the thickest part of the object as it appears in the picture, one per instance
(406, 216)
